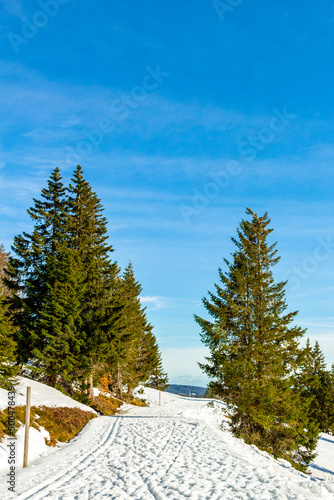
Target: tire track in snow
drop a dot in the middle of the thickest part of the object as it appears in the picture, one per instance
(41, 491)
(154, 482)
(162, 471)
(150, 491)
(147, 483)
(164, 458)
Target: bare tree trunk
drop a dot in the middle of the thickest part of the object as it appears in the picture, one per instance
(130, 391)
(67, 386)
(91, 390)
(119, 389)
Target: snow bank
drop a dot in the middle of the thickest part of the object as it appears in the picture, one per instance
(41, 395)
(37, 447)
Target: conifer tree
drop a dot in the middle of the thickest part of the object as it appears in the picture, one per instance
(157, 378)
(149, 367)
(3, 265)
(314, 384)
(3, 259)
(27, 274)
(87, 234)
(254, 349)
(58, 323)
(128, 324)
(328, 423)
(8, 367)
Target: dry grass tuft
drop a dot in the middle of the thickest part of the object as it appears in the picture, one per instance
(105, 405)
(61, 423)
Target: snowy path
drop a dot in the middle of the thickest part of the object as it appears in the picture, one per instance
(158, 457)
(175, 450)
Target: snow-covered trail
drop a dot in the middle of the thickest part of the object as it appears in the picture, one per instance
(160, 457)
(175, 450)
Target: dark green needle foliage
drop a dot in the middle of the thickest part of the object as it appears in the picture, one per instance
(8, 352)
(127, 327)
(75, 317)
(149, 364)
(88, 239)
(28, 275)
(8, 347)
(315, 385)
(254, 349)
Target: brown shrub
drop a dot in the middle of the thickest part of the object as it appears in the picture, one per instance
(61, 423)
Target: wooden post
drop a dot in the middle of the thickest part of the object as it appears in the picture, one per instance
(159, 398)
(27, 425)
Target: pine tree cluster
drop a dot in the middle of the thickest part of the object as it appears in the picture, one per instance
(280, 394)
(71, 315)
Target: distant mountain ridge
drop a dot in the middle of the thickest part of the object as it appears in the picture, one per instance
(186, 390)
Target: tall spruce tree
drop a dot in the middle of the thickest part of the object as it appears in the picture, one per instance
(8, 352)
(8, 366)
(254, 350)
(156, 377)
(3, 266)
(148, 367)
(27, 275)
(127, 327)
(87, 235)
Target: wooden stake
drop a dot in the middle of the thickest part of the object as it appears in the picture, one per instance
(27, 425)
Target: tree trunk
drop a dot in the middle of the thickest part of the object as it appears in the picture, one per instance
(130, 392)
(91, 390)
(119, 389)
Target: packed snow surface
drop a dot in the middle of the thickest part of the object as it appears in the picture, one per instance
(174, 450)
(41, 394)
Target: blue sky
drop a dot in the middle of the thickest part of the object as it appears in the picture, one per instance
(181, 114)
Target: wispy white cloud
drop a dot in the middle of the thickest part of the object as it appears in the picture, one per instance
(304, 323)
(156, 302)
(62, 112)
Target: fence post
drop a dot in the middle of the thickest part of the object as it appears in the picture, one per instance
(159, 398)
(26, 430)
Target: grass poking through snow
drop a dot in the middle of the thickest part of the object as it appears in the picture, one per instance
(61, 423)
